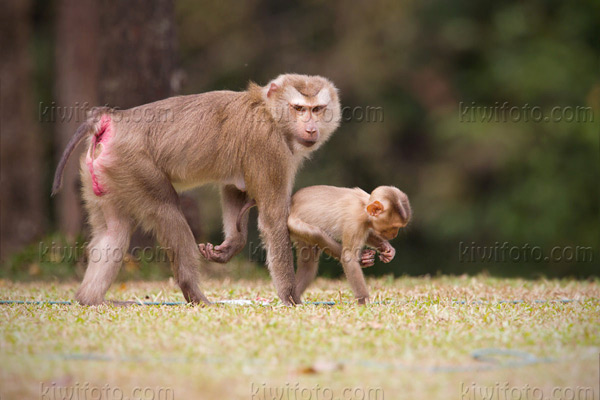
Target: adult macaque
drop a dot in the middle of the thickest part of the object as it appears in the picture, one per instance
(322, 215)
(251, 142)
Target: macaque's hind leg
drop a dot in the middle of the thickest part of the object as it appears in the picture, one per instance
(233, 200)
(311, 234)
(173, 232)
(110, 240)
(307, 259)
(158, 209)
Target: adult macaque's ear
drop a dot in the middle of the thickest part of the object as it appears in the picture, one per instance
(273, 88)
(375, 208)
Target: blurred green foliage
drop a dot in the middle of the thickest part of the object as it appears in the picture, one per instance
(469, 180)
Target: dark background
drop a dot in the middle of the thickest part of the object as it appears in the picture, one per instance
(471, 179)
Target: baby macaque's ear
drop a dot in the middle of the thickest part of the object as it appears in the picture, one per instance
(375, 208)
(273, 88)
(403, 214)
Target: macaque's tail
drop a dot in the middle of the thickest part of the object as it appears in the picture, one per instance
(84, 130)
(244, 210)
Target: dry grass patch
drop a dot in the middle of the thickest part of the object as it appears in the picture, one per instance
(416, 343)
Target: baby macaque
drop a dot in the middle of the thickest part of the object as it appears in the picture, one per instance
(323, 216)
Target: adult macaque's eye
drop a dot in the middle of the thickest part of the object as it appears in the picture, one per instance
(318, 109)
(298, 108)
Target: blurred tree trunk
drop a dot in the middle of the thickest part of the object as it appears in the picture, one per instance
(76, 90)
(137, 51)
(22, 205)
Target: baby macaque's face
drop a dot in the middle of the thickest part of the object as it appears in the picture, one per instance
(387, 225)
(389, 210)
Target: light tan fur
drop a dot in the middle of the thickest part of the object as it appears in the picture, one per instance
(251, 142)
(340, 221)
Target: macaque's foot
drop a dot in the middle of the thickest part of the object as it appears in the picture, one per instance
(363, 300)
(367, 258)
(88, 295)
(293, 302)
(220, 254)
(288, 299)
(192, 293)
(200, 301)
(297, 300)
(386, 253)
(289, 302)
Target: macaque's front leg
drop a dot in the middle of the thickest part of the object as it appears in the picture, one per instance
(272, 217)
(232, 202)
(386, 250)
(354, 274)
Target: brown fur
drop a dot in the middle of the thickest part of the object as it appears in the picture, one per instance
(247, 141)
(322, 215)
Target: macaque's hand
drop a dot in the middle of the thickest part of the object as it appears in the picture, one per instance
(386, 252)
(367, 258)
(220, 254)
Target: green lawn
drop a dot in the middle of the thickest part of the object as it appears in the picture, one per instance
(416, 343)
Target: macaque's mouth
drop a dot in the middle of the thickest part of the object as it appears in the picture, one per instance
(389, 236)
(306, 142)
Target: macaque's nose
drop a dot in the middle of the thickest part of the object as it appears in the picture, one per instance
(311, 128)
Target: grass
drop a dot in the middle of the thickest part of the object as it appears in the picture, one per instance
(417, 345)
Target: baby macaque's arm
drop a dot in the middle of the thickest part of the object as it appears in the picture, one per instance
(386, 251)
